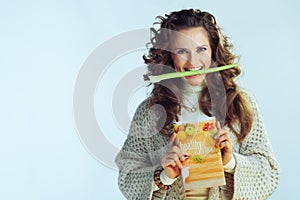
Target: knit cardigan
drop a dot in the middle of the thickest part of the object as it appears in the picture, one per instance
(256, 173)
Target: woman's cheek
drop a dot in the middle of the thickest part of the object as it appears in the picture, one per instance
(179, 64)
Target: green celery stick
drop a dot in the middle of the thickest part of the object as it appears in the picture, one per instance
(158, 78)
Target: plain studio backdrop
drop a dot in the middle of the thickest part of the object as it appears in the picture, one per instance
(43, 46)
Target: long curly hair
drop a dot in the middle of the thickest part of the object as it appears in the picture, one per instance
(235, 110)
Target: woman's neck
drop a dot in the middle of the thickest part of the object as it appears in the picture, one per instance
(187, 88)
(189, 103)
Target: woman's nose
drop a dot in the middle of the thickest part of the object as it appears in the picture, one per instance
(195, 59)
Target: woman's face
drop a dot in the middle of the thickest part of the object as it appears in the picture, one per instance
(191, 51)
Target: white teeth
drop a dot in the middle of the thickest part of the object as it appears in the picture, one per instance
(194, 69)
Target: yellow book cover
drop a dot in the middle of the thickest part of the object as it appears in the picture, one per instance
(204, 168)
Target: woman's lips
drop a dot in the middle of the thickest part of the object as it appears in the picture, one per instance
(193, 69)
(194, 76)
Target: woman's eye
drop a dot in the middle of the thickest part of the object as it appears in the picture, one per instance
(182, 51)
(201, 49)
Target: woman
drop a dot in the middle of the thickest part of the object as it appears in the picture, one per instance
(150, 162)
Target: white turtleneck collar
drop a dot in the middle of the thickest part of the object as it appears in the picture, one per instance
(187, 88)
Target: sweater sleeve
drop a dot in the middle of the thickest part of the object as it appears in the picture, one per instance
(257, 171)
(135, 160)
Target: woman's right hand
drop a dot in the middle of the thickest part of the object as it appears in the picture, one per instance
(172, 160)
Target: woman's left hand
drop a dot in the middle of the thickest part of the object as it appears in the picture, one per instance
(223, 141)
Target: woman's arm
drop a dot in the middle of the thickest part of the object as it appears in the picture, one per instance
(136, 160)
(256, 173)
(135, 170)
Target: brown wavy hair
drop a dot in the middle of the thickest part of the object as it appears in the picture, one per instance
(232, 108)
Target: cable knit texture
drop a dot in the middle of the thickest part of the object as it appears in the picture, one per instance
(256, 173)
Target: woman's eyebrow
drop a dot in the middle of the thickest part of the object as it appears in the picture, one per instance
(183, 47)
(180, 48)
(204, 45)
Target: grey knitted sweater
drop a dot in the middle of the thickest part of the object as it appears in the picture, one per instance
(256, 173)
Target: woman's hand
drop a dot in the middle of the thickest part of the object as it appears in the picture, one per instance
(172, 160)
(224, 142)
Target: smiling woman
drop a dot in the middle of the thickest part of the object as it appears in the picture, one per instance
(191, 51)
(151, 162)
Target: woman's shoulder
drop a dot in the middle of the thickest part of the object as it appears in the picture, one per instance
(247, 93)
(144, 105)
(249, 96)
(254, 107)
(143, 112)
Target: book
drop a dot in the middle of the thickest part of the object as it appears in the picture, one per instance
(204, 168)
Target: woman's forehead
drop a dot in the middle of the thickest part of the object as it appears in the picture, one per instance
(194, 36)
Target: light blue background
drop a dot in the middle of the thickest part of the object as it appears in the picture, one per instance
(43, 45)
